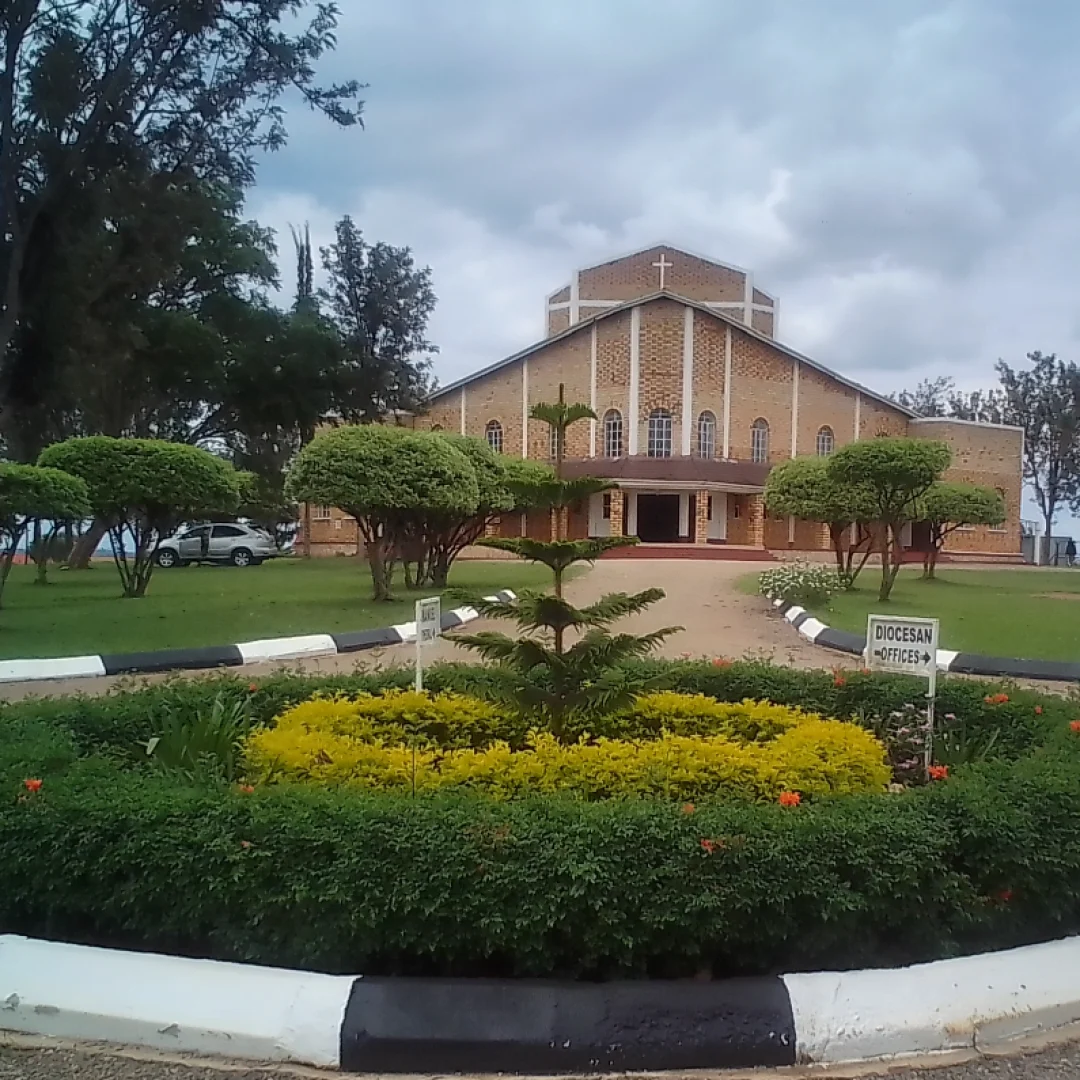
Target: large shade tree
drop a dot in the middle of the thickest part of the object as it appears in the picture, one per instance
(144, 489)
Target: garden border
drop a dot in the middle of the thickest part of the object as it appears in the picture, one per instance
(956, 663)
(215, 656)
(402, 1025)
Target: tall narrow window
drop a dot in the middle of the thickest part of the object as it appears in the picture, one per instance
(613, 433)
(494, 434)
(553, 443)
(659, 433)
(825, 441)
(706, 435)
(759, 441)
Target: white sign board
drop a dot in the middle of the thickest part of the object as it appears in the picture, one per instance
(907, 646)
(428, 627)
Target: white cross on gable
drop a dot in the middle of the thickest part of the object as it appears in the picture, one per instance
(663, 265)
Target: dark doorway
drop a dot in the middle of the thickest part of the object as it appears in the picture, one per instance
(658, 519)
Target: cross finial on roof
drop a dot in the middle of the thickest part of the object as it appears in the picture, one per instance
(662, 265)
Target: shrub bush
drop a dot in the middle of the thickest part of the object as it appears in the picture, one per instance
(800, 583)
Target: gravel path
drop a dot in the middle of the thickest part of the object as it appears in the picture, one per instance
(20, 1063)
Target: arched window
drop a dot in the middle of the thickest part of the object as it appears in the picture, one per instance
(759, 441)
(825, 441)
(659, 433)
(494, 435)
(436, 427)
(706, 435)
(613, 433)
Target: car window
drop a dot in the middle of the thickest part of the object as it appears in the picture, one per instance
(194, 534)
(226, 530)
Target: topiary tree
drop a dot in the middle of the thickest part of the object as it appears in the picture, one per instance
(896, 473)
(947, 507)
(31, 494)
(385, 478)
(538, 673)
(804, 488)
(144, 489)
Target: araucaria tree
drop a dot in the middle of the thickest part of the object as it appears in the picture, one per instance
(896, 473)
(384, 477)
(29, 494)
(143, 489)
(538, 672)
(947, 507)
(804, 488)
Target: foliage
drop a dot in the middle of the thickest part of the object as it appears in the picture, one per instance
(895, 473)
(383, 477)
(203, 744)
(32, 494)
(805, 583)
(805, 488)
(144, 489)
(947, 507)
(939, 397)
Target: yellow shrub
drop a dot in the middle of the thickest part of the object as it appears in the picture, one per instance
(696, 714)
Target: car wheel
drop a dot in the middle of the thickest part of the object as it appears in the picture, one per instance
(167, 559)
(240, 557)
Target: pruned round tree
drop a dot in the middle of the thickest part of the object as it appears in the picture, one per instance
(804, 488)
(947, 507)
(896, 473)
(144, 489)
(385, 478)
(29, 494)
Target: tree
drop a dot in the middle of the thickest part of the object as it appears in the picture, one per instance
(537, 672)
(144, 489)
(1045, 402)
(383, 477)
(264, 503)
(947, 507)
(29, 494)
(87, 86)
(929, 398)
(896, 473)
(804, 488)
(379, 303)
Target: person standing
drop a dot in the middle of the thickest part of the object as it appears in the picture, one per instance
(1070, 552)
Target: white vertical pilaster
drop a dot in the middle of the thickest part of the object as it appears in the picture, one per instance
(684, 514)
(776, 318)
(463, 410)
(748, 300)
(795, 409)
(592, 387)
(631, 513)
(575, 298)
(633, 420)
(687, 379)
(727, 392)
(858, 415)
(525, 407)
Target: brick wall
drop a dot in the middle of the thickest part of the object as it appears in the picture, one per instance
(761, 378)
(612, 373)
(689, 276)
(823, 402)
(662, 325)
(708, 385)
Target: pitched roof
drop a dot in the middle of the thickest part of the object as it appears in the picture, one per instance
(666, 294)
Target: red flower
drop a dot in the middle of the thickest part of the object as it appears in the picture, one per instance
(245, 844)
(996, 699)
(721, 661)
(709, 846)
(688, 808)
(1075, 725)
(790, 798)
(246, 789)
(252, 687)
(1038, 710)
(938, 772)
(33, 785)
(839, 680)
(1005, 895)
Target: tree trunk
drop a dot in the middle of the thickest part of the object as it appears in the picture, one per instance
(886, 555)
(1046, 541)
(87, 544)
(836, 534)
(440, 570)
(376, 557)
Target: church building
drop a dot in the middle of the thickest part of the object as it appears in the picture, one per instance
(696, 397)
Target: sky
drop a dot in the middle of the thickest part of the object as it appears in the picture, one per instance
(902, 175)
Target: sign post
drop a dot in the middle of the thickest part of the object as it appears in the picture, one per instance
(428, 627)
(906, 646)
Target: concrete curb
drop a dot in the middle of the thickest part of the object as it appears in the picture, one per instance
(471, 1025)
(959, 663)
(215, 656)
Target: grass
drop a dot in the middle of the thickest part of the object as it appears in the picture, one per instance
(81, 612)
(1011, 613)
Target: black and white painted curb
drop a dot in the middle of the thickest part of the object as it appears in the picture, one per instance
(459, 1025)
(213, 656)
(959, 663)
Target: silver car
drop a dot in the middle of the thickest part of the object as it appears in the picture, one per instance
(228, 542)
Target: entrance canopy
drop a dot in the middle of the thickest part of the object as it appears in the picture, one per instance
(690, 472)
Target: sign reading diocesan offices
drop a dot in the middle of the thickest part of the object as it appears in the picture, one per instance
(894, 643)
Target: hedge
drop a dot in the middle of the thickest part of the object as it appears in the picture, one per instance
(545, 887)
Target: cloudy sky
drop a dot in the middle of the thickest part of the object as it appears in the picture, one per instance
(903, 175)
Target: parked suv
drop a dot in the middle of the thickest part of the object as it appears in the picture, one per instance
(229, 542)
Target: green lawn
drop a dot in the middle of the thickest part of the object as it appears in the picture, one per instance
(82, 612)
(1023, 613)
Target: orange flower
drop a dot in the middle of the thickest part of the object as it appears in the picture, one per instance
(709, 846)
(1075, 725)
(688, 808)
(252, 687)
(996, 699)
(839, 680)
(33, 785)
(246, 789)
(938, 772)
(721, 661)
(790, 798)
(245, 844)
(1038, 710)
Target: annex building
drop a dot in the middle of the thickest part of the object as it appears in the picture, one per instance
(681, 358)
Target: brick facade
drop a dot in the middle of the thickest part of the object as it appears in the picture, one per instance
(680, 351)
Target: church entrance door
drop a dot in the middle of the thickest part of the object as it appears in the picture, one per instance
(658, 519)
